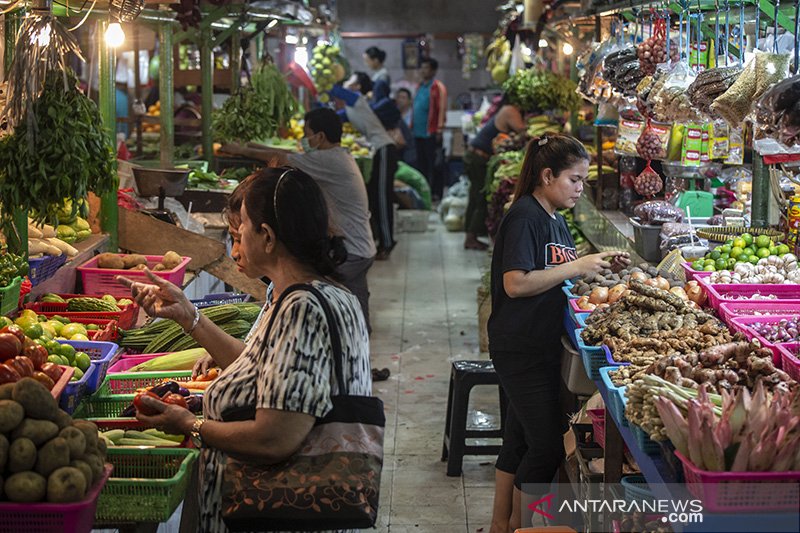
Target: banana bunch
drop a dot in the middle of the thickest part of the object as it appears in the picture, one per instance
(605, 170)
(541, 124)
(498, 58)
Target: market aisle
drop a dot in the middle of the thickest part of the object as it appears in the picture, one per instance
(424, 315)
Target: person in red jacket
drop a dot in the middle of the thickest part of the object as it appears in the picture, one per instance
(428, 117)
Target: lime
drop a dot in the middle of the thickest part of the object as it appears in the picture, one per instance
(92, 327)
(82, 361)
(736, 252)
(729, 242)
(726, 249)
(53, 358)
(26, 321)
(62, 319)
(762, 252)
(698, 265)
(783, 249)
(34, 331)
(762, 241)
(77, 374)
(709, 262)
(749, 250)
(738, 242)
(41, 318)
(66, 351)
(725, 256)
(79, 337)
(715, 255)
(753, 259)
(721, 264)
(746, 237)
(773, 250)
(709, 268)
(53, 347)
(55, 325)
(70, 330)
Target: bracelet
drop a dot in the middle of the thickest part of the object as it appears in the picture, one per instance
(195, 321)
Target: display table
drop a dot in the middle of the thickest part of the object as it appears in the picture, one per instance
(606, 230)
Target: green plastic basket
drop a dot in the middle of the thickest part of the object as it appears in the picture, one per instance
(147, 485)
(99, 406)
(9, 296)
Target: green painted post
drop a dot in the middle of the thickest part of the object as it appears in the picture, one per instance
(573, 75)
(761, 192)
(166, 94)
(109, 215)
(18, 240)
(236, 60)
(207, 73)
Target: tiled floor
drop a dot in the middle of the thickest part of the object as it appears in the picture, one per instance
(424, 315)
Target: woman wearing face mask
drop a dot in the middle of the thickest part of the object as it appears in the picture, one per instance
(533, 255)
(274, 386)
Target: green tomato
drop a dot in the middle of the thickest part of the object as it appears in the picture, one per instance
(726, 249)
(709, 262)
(725, 256)
(715, 255)
(731, 263)
(54, 359)
(721, 264)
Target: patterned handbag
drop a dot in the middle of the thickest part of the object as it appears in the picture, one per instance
(333, 480)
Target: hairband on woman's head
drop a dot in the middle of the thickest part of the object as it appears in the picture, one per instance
(543, 141)
(275, 194)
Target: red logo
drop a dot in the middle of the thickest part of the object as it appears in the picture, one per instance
(558, 254)
(535, 506)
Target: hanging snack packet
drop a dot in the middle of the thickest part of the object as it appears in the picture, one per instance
(705, 144)
(653, 142)
(719, 140)
(692, 145)
(628, 135)
(736, 147)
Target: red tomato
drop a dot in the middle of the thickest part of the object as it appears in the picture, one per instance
(16, 331)
(22, 365)
(44, 379)
(8, 374)
(141, 407)
(53, 371)
(10, 345)
(175, 399)
(36, 353)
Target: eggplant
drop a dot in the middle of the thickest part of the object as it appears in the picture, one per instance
(166, 388)
(183, 391)
(195, 403)
(128, 412)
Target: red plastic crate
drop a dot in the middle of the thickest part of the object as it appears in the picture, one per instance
(102, 280)
(720, 293)
(125, 317)
(75, 517)
(742, 492)
(790, 360)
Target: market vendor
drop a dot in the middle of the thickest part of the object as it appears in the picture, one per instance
(337, 173)
(508, 118)
(280, 381)
(533, 255)
(374, 58)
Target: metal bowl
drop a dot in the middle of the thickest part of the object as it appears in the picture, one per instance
(150, 180)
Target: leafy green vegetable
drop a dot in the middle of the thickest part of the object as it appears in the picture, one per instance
(256, 111)
(542, 90)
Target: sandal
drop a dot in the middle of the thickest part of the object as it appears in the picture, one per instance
(380, 375)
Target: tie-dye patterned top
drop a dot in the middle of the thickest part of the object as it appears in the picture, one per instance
(291, 370)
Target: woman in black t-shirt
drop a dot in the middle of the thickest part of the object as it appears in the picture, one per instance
(533, 255)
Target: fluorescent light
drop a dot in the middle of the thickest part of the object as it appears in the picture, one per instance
(301, 56)
(292, 39)
(543, 43)
(567, 49)
(272, 24)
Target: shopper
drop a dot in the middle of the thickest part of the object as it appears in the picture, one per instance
(337, 173)
(374, 58)
(430, 110)
(533, 255)
(357, 110)
(285, 378)
(404, 102)
(508, 118)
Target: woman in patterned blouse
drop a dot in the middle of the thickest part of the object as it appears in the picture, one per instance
(284, 375)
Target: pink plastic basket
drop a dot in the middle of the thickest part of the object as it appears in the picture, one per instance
(789, 360)
(731, 310)
(101, 280)
(742, 492)
(694, 274)
(75, 517)
(719, 293)
(744, 325)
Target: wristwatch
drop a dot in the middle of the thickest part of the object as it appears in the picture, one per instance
(194, 434)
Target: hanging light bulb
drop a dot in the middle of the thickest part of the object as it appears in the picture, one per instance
(543, 43)
(114, 35)
(567, 49)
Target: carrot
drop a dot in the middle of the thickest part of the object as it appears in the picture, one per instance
(196, 385)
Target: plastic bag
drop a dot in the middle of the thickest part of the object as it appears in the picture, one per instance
(734, 104)
(657, 211)
(778, 111)
(673, 229)
(648, 183)
(671, 103)
(710, 84)
(622, 70)
(770, 69)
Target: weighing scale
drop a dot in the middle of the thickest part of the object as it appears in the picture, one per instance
(701, 203)
(161, 183)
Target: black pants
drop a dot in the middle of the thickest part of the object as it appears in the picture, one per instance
(533, 445)
(477, 207)
(380, 190)
(427, 148)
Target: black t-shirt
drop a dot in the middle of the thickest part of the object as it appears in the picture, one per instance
(529, 239)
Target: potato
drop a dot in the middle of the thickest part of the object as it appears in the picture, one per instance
(4, 445)
(133, 260)
(75, 440)
(11, 415)
(21, 455)
(96, 463)
(63, 420)
(85, 469)
(53, 455)
(39, 431)
(102, 446)
(138, 267)
(66, 485)
(171, 260)
(160, 268)
(26, 487)
(108, 260)
(35, 399)
(89, 431)
(6, 390)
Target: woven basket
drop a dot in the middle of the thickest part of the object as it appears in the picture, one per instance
(724, 233)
